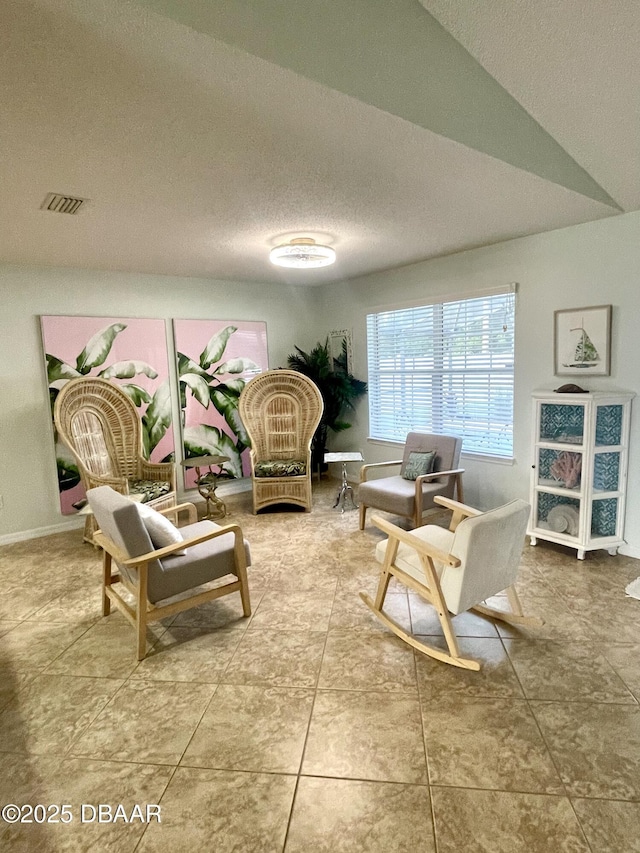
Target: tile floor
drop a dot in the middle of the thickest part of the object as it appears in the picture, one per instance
(309, 727)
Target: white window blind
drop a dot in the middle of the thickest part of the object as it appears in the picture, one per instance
(445, 368)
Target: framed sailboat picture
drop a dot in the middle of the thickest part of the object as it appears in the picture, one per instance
(582, 341)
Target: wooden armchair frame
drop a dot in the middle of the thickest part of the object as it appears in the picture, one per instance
(144, 612)
(417, 518)
(398, 493)
(431, 589)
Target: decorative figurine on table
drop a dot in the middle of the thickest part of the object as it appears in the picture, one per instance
(207, 483)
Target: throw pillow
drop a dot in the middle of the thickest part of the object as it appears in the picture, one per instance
(418, 464)
(161, 531)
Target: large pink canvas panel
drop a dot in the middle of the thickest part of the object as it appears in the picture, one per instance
(131, 353)
(215, 360)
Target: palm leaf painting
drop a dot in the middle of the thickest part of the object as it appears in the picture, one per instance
(131, 353)
(213, 368)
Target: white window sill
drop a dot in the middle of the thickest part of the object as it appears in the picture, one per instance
(472, 457)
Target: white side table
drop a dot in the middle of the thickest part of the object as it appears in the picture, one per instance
(345, 489)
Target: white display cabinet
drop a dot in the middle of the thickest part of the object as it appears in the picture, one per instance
(579, 473)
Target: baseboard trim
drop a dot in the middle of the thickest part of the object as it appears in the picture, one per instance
(629, 551)
(77, 523)
(37, 532)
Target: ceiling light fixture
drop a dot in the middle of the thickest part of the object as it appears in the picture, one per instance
(302, 253)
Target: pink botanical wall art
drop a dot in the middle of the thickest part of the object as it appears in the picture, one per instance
(216, 358)
(131, 353)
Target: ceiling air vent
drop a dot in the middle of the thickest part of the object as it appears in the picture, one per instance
(57, 203)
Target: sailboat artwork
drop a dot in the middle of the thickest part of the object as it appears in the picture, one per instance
(585, 355)
(582, 341)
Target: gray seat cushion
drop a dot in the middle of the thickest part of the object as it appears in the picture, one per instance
(202, 563)
(396, 495)
(119, 518)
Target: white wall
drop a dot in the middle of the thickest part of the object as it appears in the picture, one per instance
(593, 264)
(28, 474)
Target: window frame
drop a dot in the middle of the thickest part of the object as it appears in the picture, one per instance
(504, 376)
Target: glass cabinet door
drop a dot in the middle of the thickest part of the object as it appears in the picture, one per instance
(604, 517)
(561, 422)
(606, 471)
(558, 513)
(560, 469)
(608, 425)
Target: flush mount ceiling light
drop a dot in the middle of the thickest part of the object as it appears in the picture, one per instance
(302, 253)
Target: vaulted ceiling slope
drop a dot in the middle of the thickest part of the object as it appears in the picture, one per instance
(204, 133)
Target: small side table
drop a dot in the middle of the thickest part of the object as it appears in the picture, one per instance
(346, 490)
(207, 483)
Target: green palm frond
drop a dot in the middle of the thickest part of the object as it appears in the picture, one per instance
(340, 390)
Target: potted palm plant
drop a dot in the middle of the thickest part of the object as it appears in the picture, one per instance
(340, 390)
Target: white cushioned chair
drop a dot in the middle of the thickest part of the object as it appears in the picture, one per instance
(412, 497)
(201, 552)
(455, 569)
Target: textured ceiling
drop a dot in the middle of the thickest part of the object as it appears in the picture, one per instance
(205, 133)
(574, 66)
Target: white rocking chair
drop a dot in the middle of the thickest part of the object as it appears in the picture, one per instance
(455, 569)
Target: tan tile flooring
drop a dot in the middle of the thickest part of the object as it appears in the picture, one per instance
(309, 727)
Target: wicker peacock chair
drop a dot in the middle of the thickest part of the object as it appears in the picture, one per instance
(281, 410)
(101, 427)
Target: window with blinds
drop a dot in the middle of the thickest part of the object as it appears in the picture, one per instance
(445, 368)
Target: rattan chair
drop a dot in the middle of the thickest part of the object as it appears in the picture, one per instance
(101, 427)
(281, 410)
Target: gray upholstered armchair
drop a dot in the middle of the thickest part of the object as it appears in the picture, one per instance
(157, 562)
(429, 467)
